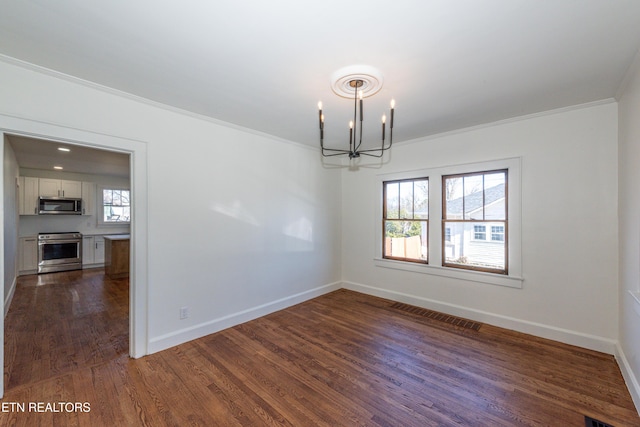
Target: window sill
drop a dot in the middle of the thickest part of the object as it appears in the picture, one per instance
(472, 276)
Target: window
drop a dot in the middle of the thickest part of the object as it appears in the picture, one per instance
(479, 232)
(473, 203)
(477, 236)
(405, 219)
(447, 234)
(497, 233)
(116, 206)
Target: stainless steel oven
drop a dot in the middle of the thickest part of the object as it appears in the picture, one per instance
(59, 252)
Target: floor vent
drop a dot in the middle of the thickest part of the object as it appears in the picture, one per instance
(452, 320)
(591, 422)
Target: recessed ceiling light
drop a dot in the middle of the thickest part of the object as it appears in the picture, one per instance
(58, 167)
(63, 149)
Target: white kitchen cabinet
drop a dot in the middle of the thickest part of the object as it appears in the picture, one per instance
(88, 251)
(28, 255)
(99, 250)
(28, 195)
(92, 250)
(60, 188)
(88, 198)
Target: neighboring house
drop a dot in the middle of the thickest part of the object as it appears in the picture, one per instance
(482, 241)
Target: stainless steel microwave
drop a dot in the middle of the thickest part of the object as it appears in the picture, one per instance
(59, 206)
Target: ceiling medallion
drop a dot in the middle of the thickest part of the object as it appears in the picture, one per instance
(357, 82)
(370, 77)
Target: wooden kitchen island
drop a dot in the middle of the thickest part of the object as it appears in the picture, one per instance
(116, 256)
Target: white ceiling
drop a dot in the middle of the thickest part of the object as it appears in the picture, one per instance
(33, 153)
(264, 65)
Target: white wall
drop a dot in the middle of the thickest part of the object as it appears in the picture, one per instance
(629, 230)
(10, 208)
(569, 232)
(239, 223)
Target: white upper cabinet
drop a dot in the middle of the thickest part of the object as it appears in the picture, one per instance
(60, 188)
(28, 195)
(88, 198)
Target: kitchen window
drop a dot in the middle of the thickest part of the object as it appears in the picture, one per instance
(114, 206)
(478, 237)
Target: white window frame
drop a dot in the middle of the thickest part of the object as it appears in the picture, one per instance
(513, 279)
(100, 206)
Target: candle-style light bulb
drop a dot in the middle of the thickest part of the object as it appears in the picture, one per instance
(384, 118)
(350, 124)
(393, 105)
(320, 105)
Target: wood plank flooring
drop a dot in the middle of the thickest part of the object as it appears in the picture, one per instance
(59, 322)
(343, 359)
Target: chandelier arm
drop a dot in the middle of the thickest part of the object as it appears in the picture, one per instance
(382, 149)
(372, 155)
(375, 149)
(336, 150)
(360, 141)
(335, 154)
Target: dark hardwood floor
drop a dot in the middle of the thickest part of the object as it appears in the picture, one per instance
(341, 359)
(59, 322)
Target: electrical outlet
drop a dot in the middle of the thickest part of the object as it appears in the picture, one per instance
(184, 312)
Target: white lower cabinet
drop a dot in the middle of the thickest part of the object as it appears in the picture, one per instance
(28, 256)
(92, 251)
(88, 251)
(99, 250)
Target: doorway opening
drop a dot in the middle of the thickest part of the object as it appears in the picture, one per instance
(66, 315)
(135, 152)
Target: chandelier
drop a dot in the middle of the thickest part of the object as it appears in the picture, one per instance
(354, 81)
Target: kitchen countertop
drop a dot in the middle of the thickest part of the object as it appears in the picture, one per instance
(117, 236)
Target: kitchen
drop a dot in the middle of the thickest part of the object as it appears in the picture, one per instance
(69, 306)
(66, 214)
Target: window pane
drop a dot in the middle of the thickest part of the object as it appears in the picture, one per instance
(495, 196)
(406, 199)
(464, 249)
(406, 239)
(473, 197)
(497, 233)
(393, 199)
(447, 234)
(453, 198)
(421, 199)
(116, 205)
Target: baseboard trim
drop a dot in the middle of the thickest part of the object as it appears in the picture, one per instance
(9, 297)
(629, 377)
(566, 336)
(172, 339)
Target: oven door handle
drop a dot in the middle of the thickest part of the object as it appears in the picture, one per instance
(57, 242)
